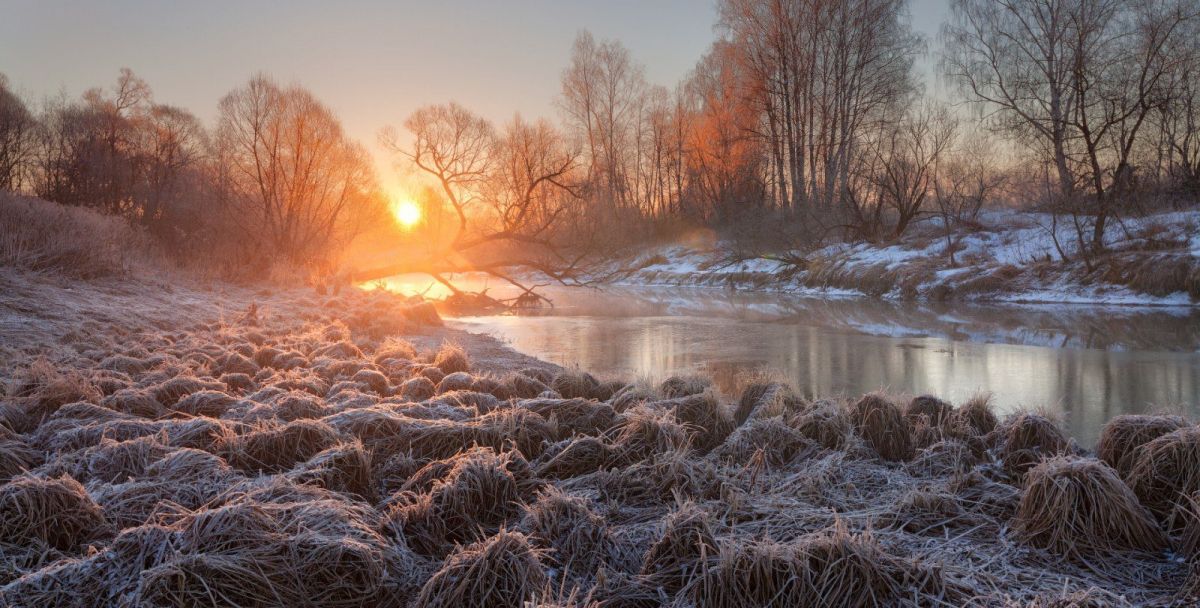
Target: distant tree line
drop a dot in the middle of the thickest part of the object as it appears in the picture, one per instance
(275, 180)
(806, 117)
(805, 121)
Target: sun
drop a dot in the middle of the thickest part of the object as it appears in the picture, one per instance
(407, 212)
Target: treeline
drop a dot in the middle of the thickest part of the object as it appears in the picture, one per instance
(807, 118)
(805, 121)
(275, 180)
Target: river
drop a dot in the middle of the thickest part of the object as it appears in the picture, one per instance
(1085, 364)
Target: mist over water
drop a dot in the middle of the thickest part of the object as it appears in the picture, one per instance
(1084, 363)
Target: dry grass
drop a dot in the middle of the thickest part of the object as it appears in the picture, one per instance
(335, 476)
(575, 457)
(42, 236)
(1024, 439)
(832, 568)
(417, 389)
(645, 431)
(576, 537)
(517, 428)
(771, 440)
(520, 386)
(825, 422)
(452, 358)
(706, 418)
(574, 384)
(575, 415)
(16, 457)
(1187, 521)
(925, 512)
(977, 414)
(43, 387)
(1122, 436)
(683, 386)
(56, 512)
(321, 552)
(632, 395)
(683, 548)
(501, 570)
(278, 448)
(1159, 275)
(1167, 471)
(767, 399)
(343, 468)
(928, 409)
(478, 492)
(880, 422)
(1079, 508)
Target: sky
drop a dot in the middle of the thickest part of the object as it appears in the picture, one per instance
(373, 63)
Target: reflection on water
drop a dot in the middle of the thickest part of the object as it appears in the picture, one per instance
(1086, 363)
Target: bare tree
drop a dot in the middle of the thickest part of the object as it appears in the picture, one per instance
(604, 96)
(723, 157)
(964, 182)
(292, 177)
(1075, 79)
(452, 145)
(1177, 147)
(897, 172)
(513, 194)
(825, 75)
(88, 151)
(174, 146)
(1014, 56)
(17, 126)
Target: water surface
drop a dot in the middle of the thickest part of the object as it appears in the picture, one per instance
(1086, 364)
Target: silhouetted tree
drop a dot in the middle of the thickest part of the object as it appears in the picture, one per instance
(296, 184)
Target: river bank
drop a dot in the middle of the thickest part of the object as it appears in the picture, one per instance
(170, 445)
(1009, 256)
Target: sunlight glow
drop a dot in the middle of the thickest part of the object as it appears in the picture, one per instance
(407, 212)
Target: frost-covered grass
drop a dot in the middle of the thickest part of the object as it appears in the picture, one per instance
(181, 447)
(1152, 260)
(47, 237)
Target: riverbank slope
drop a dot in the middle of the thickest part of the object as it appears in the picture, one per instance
(1009, 256)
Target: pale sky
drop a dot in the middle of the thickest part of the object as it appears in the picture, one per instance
(372, 62)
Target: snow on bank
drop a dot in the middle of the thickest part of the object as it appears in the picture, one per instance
(1020, 262)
